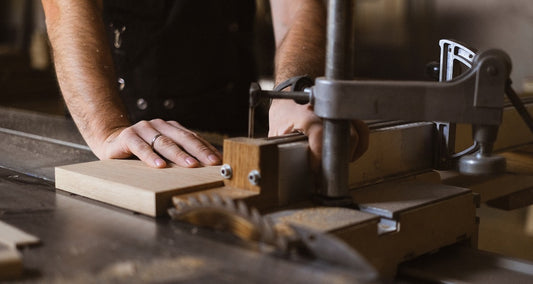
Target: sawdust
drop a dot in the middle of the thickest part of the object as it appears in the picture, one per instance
(177, 269)
(321, 219)
(158, 270)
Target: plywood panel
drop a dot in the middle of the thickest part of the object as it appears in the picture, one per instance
(132, 185)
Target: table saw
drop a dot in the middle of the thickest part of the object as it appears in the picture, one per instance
(86, 240)
(406, 211)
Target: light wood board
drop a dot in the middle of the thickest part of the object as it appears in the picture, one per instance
(13, 237)
(132, 185)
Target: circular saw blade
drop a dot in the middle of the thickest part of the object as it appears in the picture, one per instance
(224, 214)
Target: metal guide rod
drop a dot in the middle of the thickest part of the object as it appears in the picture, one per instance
(339, 66)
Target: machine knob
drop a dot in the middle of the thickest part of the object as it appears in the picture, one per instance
(481, 164)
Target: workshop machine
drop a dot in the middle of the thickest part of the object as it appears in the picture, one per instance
(374, 227)
(274, 203)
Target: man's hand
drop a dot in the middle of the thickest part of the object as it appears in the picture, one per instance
(169, 140)
(286, 116)
(299, 31)
(86, 77)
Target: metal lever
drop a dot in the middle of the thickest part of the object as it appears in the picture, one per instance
(256, 95)
(450, 52)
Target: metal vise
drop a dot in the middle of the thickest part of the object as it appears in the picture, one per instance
(476, 97)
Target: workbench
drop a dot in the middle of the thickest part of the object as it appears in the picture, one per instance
(87, 241)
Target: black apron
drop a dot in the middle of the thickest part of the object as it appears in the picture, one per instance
(184, 60)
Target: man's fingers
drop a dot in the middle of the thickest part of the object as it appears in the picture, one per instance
(205, 142)
(362, 133)
(168, 148)
(314, 136)
(190, 143)
(151, 141)
(133, 143)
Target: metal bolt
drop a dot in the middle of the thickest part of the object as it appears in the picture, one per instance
(168, 104)
(142, 104)
(254, 177)
(121, 84)
(226, 171)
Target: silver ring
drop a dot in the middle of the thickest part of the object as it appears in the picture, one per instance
(155, 138)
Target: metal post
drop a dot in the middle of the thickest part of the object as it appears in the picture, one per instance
(339, 66)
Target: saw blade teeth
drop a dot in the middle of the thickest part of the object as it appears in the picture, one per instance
(242, 208)
(217, 200)
(227, 207)
(256, 217)
(267, 229)
(203, 200)
(192, 202)
(179, 204)
(229, 203)
(173, 212)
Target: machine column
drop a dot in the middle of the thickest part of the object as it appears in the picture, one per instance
(339, 66)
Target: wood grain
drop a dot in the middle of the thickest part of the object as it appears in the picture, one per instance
(132, 185)
(282, 163)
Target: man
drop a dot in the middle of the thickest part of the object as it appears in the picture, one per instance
(88, 76)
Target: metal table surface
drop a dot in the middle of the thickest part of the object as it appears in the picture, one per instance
(88, 241)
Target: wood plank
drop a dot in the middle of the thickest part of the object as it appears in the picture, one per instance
(13, 237)
(132, 185)
(428, 217)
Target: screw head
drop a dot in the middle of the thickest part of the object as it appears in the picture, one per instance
(254, 177)
(226, 171)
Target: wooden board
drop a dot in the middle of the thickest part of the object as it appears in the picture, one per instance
(13, 237)
(132, 185)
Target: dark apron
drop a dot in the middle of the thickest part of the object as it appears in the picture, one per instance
(184, 60)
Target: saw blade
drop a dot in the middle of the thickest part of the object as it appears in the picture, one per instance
(224, 214)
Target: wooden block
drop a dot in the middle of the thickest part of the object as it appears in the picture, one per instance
(282, 164)
(13, 237)
(245, 155)
(427, 217)
(10, 263)
(421, 216)
(132, 185)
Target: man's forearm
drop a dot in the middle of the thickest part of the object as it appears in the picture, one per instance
(84, 68)
(300, 28)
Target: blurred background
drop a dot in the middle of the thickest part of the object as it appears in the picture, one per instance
(26, 76)
(395, 39)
